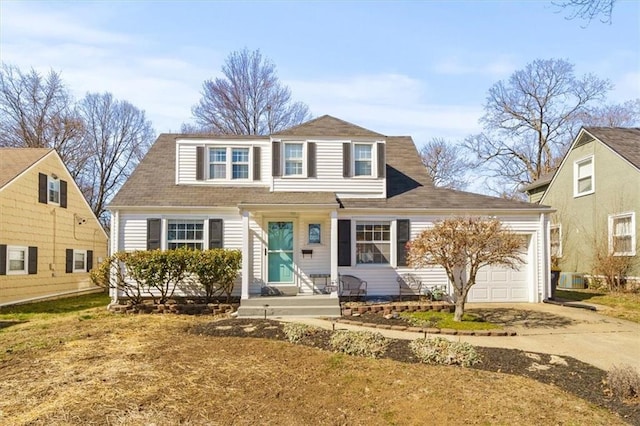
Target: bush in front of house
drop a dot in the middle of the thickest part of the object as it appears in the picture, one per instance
(624, 382)
(216, 271)
(296, 331)
(441, 351)
(359, 343)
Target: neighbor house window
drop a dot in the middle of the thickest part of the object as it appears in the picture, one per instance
(54, 190)
(556, 240)
(240, 163)
(218, 163)
(293, 159)
(185, 233)
(17, 260)
(79, 261)
(622, 234)
(583, 177)
(373, 242)
(363, 159)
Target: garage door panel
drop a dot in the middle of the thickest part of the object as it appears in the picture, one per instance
(498, 275)
(500, 284)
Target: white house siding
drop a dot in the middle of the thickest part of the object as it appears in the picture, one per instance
(330, 175)
(320, 261)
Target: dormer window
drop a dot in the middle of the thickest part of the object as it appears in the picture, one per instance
(240, 163)
(220, 168)
(218, 163)
(363, 158)
(293, 159)
(54, 190)
(583, 177)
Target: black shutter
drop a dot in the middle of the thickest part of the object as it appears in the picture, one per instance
(215, 233)
(275, 160)
(89, 260)
(68, 266)
(382, 163)
(3, 259)
(63, 194)
(200, 163)
(33, 260)
(43, 188)
(256, 163)
(311, 159)
(404, 235)
(344, 243)
(153, 233)
(346, 159)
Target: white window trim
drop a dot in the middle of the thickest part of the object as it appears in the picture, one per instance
(50, 180)
(26, 260)
(304, 172)
(229, 163)
(559, 228)
(576, 165)
(84, 267)
(205, 231)
(374, 160)
(392, 237)
(612, 217)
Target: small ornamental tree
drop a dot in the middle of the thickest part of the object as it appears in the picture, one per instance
(216, 270)
(462, 246)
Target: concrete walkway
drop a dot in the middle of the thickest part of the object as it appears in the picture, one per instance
(579, 333)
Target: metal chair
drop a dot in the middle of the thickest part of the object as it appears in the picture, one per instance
(352, 286)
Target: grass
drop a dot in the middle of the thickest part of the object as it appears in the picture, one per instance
(619, 305)
(101, 368)
(445, 320)
(56, 306)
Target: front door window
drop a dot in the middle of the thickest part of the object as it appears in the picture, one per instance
(280, 252)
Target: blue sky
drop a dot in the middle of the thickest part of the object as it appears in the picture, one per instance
(400, 68)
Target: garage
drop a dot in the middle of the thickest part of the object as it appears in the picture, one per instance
(499, 284)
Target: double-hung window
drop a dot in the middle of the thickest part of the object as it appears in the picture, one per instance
(293, 159)
(185, 233)
(79, 261)
(373, 242)
(363, 159)
(17, 260)
(218, 163)
(240, 163)
(556, 240)
(54, 190)
(583, 177)
(622, 234)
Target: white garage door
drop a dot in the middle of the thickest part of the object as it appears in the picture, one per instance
(498, 284)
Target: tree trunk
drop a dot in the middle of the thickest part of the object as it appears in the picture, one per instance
(457, 316)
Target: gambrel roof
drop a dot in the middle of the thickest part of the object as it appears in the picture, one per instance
(14, 161)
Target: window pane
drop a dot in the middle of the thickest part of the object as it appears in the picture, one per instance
(240, 155)
(16, 260)
(78, 260)
(185, 233)
(293, 151)
(293, 168)
(584, 185)
(363, 168)
(54, 190)
(362, 152)
(218, 155)
(218, 171)
(585, 169)
(240, 171)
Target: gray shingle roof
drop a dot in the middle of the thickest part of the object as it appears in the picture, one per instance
(408, 184)
(14, 161)
(623, 140)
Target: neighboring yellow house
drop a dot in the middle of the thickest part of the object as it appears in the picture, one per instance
(49, 237)
(596, 195)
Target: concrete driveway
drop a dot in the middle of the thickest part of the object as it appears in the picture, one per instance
(560, 330)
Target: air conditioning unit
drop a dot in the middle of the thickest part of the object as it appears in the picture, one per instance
(571, 280)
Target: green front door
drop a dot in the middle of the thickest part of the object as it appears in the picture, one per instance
(280, 252)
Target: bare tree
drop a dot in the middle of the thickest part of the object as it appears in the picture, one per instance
(249, 100)
(117, 136)
(614, 115)
(37, 112)
(588, 9)
(462, 246)
(531, 118)
(445, 163)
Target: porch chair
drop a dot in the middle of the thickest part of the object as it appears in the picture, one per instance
(409, 284)
(352, 286)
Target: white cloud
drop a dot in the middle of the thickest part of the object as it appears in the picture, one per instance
(496, 68)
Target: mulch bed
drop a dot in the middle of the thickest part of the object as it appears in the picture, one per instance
(576, 377)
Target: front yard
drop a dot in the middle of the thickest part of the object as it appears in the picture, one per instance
(619, 305)
(84, 365)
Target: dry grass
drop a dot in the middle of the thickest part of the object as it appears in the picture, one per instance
(93, 367)
(624, 305)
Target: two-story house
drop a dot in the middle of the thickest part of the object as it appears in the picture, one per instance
(596, 194)
(309, 203)
(49, 237)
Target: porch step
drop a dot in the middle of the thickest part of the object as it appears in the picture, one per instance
(299, 306)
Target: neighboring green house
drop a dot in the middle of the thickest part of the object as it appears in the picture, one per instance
(596, 195)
